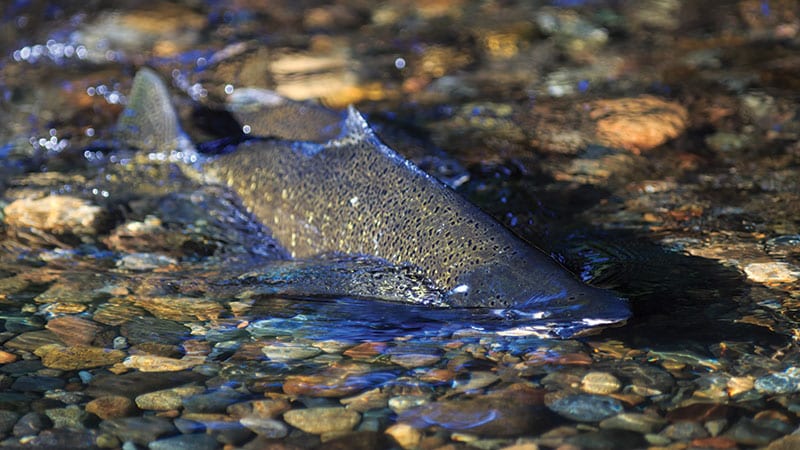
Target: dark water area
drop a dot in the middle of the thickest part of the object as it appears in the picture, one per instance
(651, 147)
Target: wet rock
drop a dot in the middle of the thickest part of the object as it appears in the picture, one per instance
(136, 383)
(641, 423)
(64, 439)
(414, 356)
(405, 402)
(166, 399)
(700, 412)
(7, 421)
(22, 367)
(153, 363)
(227, 431)
(772, 272)
(152, 329)
(607, 439)
(37, 384)
(186, 442)
(212, 402)
(31, 424)
(117, 314)
(585, 407)
(287, 351)
(111, 407)
(360, 440)
(6, 357)
(322, 419)
(57, 214)
(77, 357)
(639, 123)
(74, 330)
(684, 431)
(405, 435)
(494, 417)
(141, 262)
(140, 430)
(181, 309)
(366, 350)
(371, 399)
(262, 409)
(778, 383)
(32, 340)
(477, 379)
(785, 443)
(72, 416)
(268, 428)
(600, 383)
(647, 379)
(757, 432)
(337, 381)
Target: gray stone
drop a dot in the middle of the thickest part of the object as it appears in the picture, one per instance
(140, 430)
(37, 384)
(7, 421)
(269, 428)
(72, 416)
(151, 329)
(607, 439)
(30, 424)
(684, 431)
(641, 423)
(212, 402)
(586, 407)
(186, 442)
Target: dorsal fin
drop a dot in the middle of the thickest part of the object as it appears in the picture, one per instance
(149, 121)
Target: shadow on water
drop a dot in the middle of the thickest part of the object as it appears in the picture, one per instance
(677, 300)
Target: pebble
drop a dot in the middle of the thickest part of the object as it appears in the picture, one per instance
(37, 384)
(166, 399)
(262, 409)
(152, 329)
(153, 363)
(321, 420)
(31, 340)
(405, 435)
(790, 442)
(772, 272)
(405, 402)
(57, 214)
(641, 423)
(56, 356)
(7, 421)
(30, 424)
(684, 431)
(216, 401)
(180, 309)
(135, 383)
(411, 357)
(111, 407)
(600, 383)
(186, 442)
(371, 399)
(778, 383)
(268, 428)
(607, 439)
(140, 430)
(756, 432)
(7, 357)
(639, 123)
(140, 262)
(586, 407)
(74, 330)
(72, 416)
(288, 351)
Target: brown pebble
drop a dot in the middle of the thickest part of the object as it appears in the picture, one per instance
(6, 357)
(367, 350)
(111, 407)
(74, 330)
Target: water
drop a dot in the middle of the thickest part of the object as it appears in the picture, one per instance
(649, 146)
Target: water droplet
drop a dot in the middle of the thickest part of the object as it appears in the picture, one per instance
(400, 63)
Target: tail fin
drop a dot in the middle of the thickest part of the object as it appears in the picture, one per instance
(149, 122)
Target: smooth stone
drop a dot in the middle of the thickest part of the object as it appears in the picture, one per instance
(22, 324)
(135, 383)
(58, 214)
(226, 431)
(187, 426)
(74, 330)
(411, 357)
(186, 442)
(699, 412)
(152, 329)
(475, 380)
(181, 309)
(111, 407)
(22, 367)
(63, 438)
(405, 402)
(684, 431)
(269, 428)
(483, 416)
(145, 261)
(140, 430)
(166, 399)
(777, 384)
(641, 423)
(7, 357)
(72, 416)
(31, 340)
(586, 407)
(772, 272)
(78, 357)
(600, 383)
(30, 424)
(648, 378)
(371, 399)
(360, 440)
(262, 409)
(37, 384)
(321, 420)
(607, 439)
(212, 402)
(288, 351)
(757, 432)
(153, 363)
(790, 442)
(7, 420)
(405, 435)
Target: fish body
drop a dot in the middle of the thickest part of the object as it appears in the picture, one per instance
(354, 195)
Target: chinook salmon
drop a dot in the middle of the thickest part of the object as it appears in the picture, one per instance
(352, 194)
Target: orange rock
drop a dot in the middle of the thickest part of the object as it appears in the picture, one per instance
(637, 124)
(74, 330)
(367, 350)
(6, 357)
(714, 442)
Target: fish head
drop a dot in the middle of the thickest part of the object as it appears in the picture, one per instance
(541, 291)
